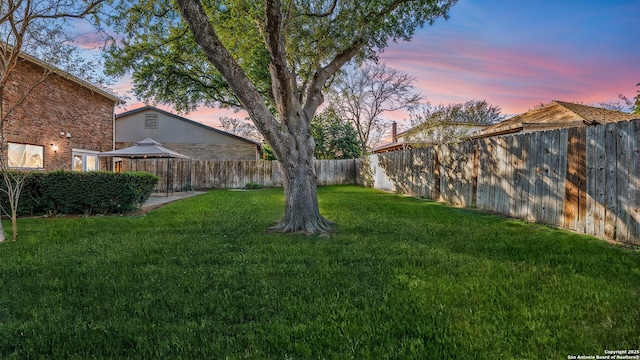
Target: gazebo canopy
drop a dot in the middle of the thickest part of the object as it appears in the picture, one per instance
(145, 149)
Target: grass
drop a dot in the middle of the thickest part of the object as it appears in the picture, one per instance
(401, 278)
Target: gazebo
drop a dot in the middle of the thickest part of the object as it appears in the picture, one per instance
(149, 149)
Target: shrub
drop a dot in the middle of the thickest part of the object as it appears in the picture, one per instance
(30, 201)
(65, 192)
(252, 186)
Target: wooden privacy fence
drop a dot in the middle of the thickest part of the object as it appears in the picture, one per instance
(176, 174)
(585, 179)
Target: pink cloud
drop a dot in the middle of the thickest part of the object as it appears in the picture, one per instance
(514, 78)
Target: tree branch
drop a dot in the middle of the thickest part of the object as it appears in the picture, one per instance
(282, 80)
(206, 37)
(314, 93)
(324, 14)
(89, 9)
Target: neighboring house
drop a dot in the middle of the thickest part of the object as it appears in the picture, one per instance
(63, 123)
(187, 137)
(429, 134)
(555, 115)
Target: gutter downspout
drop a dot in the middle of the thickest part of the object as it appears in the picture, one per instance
(113, 134)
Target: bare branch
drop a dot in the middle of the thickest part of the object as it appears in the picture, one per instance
(326, 13)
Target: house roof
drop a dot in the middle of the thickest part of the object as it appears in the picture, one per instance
(429, 125)
(71, 78)
(177, 117)
(555, 115)
(392, 147)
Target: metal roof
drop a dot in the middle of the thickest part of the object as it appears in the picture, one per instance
(147, 148)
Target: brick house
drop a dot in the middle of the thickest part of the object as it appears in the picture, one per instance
(62, 124)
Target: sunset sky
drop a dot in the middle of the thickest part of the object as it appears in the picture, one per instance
(514, 54)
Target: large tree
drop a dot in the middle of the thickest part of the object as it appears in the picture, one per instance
(273, 58)
(334, 138)
(35, 28)
(361, 96)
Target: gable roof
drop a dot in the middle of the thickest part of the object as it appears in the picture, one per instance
(65, 75)
(177, 117)
(555, 115)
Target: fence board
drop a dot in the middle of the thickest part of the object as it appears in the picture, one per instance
(591, 163)
(610, 180)
(467, 177)
(554, 192)
(491, 173)
(575, 186)
(417, 173)
(548, 180)
(530, 165)
(482, 188)
(572, 197)
(430, 175)
(562, 175)
(599, 181)
(503, 164)
(526, 175)
(508, 180)
(634, 182)
(622, 183)
(446, 173)
(538, 193)
(582, 181)
(496, 174)
(516, 156)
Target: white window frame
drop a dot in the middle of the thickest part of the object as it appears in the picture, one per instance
(84, 155)
(28, 151)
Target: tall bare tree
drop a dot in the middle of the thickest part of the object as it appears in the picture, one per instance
(274, 58)
(241, 127)
(361, 96)
(444, 124)
(32, 28)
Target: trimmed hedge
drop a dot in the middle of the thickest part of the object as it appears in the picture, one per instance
(66, 192)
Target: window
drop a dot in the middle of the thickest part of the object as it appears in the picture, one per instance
(25, 156)
(151, 121)
(85, 160)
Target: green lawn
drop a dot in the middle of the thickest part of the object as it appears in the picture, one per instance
(401, 278)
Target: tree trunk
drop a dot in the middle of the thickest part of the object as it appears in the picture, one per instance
(295, 153)
(2, 237)
(301, 212)
(14, 224)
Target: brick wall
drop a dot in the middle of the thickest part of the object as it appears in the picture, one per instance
(54, 108)
(210, 151)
